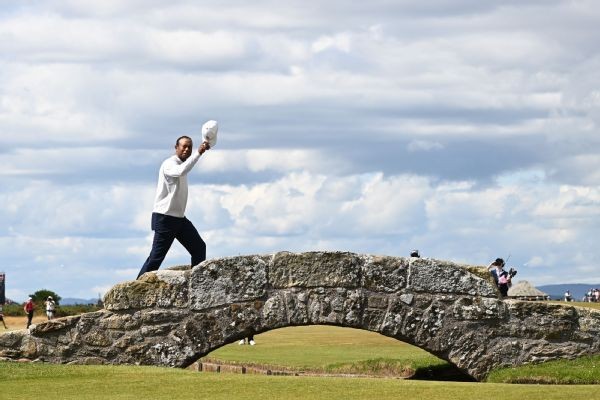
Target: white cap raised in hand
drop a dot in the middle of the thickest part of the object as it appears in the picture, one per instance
(209, 132)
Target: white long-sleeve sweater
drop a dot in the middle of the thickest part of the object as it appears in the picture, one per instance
(172, 189)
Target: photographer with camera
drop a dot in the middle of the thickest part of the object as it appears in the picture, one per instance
(495, 268)
(505, 281)
(502, 278)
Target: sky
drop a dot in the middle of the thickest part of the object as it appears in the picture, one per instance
(468, 130)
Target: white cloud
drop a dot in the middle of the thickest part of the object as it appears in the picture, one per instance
(535, 261)
(468, 130)
(304, 211)
(424, 145)
(340, 41)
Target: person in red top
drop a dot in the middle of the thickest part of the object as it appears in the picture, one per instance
(29, 306)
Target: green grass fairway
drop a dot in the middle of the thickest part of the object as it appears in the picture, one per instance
(578, 304)
(63, 382)
(328, 349)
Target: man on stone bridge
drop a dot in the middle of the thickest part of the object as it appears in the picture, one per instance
(168, 216)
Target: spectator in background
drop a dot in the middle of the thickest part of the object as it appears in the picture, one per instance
(588, 296)
(495, 268)
(50, 308)
(504, 282)
(250, 340)
(29, 307)
(568, 296)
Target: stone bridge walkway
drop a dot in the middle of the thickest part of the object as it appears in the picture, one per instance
(175, 316)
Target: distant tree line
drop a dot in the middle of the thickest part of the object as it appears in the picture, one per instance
(40, 297)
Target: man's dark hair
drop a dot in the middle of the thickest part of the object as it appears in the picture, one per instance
(181, 137)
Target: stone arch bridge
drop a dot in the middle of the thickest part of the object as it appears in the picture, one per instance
(174, 316)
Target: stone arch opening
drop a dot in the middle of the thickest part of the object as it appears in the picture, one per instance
(328, 350)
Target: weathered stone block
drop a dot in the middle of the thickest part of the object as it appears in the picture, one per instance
(407, 298)
(129, 340)
(153, 317)
(167, 288)
(384, 274)
(315, 269)
(478, 308)
(54, 325)
(245, 317)
(542, 321)
(97, 338)
(29, 348)
(432, 321)
(374, 301)
(120, 322)
(156, 330)
(588, 321)
(435, 276)
(393, 319)
(274, 313)
(12, 339)
(201, 328)
(353, 307)
(174, 291)
(65, 338)
(229, 280)
(411, 323)
(90, 321)
(335, 306)
(296, 307)
(372, 319)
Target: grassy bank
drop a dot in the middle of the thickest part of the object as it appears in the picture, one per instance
(27, 381)
(584, 370)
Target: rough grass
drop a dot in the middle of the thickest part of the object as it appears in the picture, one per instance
(584, 370)
(64, 382)
(16, 323)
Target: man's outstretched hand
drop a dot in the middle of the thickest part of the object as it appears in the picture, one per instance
(203, 147)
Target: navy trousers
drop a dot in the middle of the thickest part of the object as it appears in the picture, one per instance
(166, 229)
